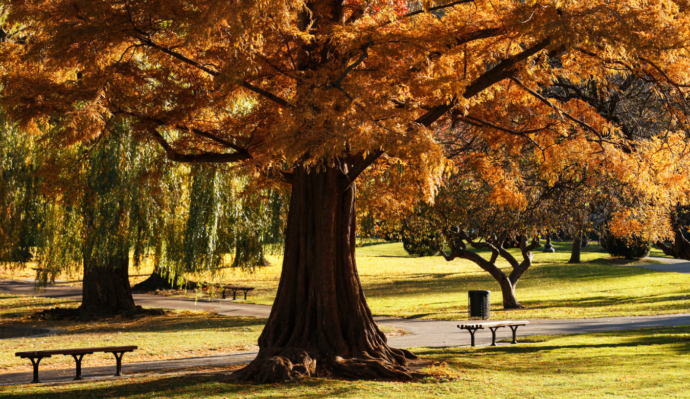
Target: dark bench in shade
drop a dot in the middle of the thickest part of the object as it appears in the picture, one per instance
(236, 288)
(78, 355)
(493, 326)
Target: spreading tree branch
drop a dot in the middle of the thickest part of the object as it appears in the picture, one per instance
(147, 41)
(504, 69)
(363, 163)
(200, 157)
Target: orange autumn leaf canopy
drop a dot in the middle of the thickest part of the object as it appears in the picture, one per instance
(270, 84)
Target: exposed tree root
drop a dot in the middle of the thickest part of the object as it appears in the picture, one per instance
(274, 365)
(365, 369)
(278, 365)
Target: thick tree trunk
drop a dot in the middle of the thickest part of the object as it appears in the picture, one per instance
(577, 248)
(320, 315)
(106, 289)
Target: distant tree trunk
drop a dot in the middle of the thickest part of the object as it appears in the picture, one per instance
(577, 248)
(105, 288)
(320, 315)
(679, 249)
(249, 252)
(585, 240)
(156, 281)
(508, 291)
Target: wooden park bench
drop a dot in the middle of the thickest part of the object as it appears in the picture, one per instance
(236, 288)
(493, 326)
(77, 354)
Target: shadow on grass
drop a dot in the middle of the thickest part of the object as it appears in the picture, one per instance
(164, 323)
(608, 301)
(194, 386)
(25, 305)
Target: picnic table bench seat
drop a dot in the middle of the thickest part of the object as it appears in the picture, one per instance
(78, 355)
(236, 288)
(493, 326)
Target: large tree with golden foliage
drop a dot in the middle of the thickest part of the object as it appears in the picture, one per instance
(320, 94)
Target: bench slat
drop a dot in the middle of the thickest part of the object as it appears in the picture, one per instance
(495, 324)
(233, 287)
(76, 351)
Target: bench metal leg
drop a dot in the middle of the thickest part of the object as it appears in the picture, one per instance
(234, 295)
(514, 328)
(493, 335)
(245, 295)
(35, 362)
(118, 360)
(223, 293)
(472, 331)
(77, 359)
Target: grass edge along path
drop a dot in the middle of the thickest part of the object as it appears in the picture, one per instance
(633, 363)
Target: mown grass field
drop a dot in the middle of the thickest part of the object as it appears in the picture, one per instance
(648, 363)
(431, 288)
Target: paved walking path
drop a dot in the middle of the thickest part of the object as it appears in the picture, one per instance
(421, 333)
(669, 265)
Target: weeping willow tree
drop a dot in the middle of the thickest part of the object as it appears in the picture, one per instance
(220, 217)
(106, 203)
(98, 207)
(20, 203)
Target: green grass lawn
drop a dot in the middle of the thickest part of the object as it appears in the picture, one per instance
(647, 363)
(432, 288)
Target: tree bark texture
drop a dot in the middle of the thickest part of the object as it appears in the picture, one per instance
(577, 248)
(106, 289)
(320, 315)
(506, 282)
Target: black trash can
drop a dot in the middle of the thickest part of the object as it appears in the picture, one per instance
(478, 304)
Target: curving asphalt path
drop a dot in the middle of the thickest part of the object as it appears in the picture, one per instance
(420, 333)
(669, 265)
